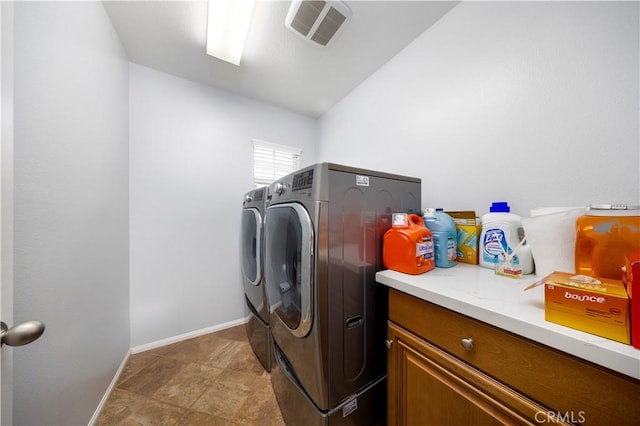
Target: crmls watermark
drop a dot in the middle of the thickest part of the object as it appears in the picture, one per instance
(557, 417)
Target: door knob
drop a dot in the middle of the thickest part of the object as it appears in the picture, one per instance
(21, 334)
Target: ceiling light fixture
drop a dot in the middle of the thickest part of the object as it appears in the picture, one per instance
(227, 28)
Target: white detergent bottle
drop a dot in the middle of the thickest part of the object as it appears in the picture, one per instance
(502, 232)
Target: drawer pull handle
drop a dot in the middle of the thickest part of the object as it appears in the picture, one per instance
(353, 321)
(388, 343)
(467, 343)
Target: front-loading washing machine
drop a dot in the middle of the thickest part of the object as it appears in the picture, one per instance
(256, 306)
(323, 245)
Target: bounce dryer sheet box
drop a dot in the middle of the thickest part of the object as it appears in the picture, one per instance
(632, 280)
(468, 228)
(598, 306)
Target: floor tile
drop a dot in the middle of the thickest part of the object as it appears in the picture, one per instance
(222, 400)
(172, 381)
(199, 349)
(234, 333)
(232, 391)
(125, 408)
(187, 385)
(229, 393)
(195, 418)
(245, 360)
(242, 380)
(211, 380)
(151, 378)
(225, 353)
(157, 351)
(135, 364)
(260, 408)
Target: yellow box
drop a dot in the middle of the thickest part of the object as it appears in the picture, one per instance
(468, 228)
(598, 306)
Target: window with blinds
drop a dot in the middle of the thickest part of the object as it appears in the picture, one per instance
(272, 161)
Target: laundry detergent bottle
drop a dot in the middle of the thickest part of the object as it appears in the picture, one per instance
(407, 246)
(502, 232)
(443, 229)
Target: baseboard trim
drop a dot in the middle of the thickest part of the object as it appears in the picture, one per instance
(186, 336)
(106, 395)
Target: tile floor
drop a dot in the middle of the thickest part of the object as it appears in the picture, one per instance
(211, 380)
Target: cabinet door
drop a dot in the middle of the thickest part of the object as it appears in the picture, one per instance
(427, 386)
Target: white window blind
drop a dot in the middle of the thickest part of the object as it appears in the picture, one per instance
(272, 161)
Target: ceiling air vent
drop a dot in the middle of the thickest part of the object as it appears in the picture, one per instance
(319, 22)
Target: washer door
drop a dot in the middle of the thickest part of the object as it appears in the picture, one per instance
(289, 244)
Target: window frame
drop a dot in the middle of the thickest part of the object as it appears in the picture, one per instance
(276, 169)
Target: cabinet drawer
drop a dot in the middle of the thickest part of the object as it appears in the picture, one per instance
(573, 387)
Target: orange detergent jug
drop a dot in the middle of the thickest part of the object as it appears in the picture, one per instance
(604, 235)
(407, 246)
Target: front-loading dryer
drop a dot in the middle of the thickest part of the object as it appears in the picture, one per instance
(256, 305)
(323, 245)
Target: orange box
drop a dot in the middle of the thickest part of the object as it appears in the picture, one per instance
(603, 237)
(632, 278)
(598, 306)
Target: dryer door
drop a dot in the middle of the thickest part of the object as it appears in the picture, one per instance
(251, 241)
(252, 267)
(288, 265)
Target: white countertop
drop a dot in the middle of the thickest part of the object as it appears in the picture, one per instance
(500, 301)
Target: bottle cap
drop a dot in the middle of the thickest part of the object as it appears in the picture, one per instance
(499, 207)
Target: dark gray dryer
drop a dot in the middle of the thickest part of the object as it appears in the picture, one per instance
(323, 245)
(252, 243)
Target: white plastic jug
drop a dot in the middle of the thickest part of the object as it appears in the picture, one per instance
(502, 232)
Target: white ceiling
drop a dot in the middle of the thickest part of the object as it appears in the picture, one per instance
(277, 66)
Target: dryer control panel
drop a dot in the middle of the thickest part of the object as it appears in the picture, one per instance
(302, 180)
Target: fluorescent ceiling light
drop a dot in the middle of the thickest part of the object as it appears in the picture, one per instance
(227, 28)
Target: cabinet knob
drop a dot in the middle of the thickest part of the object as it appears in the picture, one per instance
(467, 343)
(388, 343)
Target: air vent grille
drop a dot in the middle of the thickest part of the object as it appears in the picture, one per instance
(329, 26)
(319, 22)
(307, 15)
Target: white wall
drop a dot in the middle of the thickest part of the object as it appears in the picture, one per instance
(6, 203)
(535, 103)
(191, 163)
(71, 209)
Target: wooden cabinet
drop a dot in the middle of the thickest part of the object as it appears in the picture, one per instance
(447, 369)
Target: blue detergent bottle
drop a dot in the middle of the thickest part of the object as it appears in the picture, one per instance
(443, 230)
